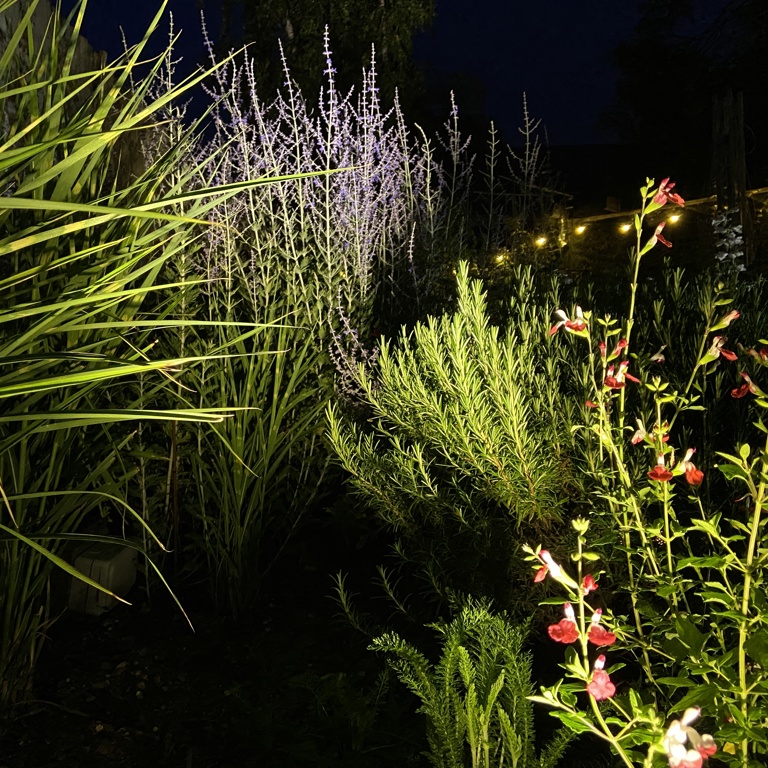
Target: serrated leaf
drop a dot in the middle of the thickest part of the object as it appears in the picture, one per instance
(689, 634)
(701, 696)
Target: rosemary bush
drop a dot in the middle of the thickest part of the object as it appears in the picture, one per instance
(462, 444)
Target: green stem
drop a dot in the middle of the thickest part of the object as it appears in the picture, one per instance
(758, 495)
(608, 735)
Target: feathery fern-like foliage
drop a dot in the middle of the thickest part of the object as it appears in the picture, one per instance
(474, 698)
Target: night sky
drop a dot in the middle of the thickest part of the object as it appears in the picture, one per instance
(491, 51)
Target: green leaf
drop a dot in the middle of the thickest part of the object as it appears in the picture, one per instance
(701, 696)
(757, 647)
(572, 721)
(63, 564)
(675, 682)
(744, 450)
(689, 634)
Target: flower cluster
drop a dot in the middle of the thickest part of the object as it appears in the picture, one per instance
(684, 746)
(568, 631)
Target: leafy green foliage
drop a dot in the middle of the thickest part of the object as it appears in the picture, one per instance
(475, 696)
(83, 252)
(460, 440)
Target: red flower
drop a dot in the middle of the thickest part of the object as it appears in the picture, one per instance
(619, 347)
(692, 475)
(684, 745)
(726, 320)
(760, 354)
(657, 237)
(590, 404)
(640, 433)
(611, 381)
(601, 686)
(716, 349)
(597, 634)
(589, 584)
(617, 381)
(603, 348)
(550, 566)
(660, 473)
(750, 386)
(565, 631)
(576, 326)
(665, 193)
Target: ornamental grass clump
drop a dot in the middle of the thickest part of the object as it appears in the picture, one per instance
(304, 260)
(83, 253)
(690, 596)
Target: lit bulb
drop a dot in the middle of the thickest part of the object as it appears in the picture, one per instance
(580, 229)
(499, 258)
(625, 227)
(674, 218)
(541, 241)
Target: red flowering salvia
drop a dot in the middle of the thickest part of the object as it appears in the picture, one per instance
(600, 686)
(588, 584)
(657, 237)
(665, 193)
(659, 356)
(598, 634)
(681, 733)
(759, 354)
(576, 325)
(565, 631)
(726, 320)
(660, 473)
(622, 345)
(716, 350)
(748, 386)
(640, 433)
(590, 404)
(692, 475)
(617, 381)
(550, 566)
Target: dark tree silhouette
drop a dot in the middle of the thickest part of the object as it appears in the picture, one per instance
(354, 26)
(670, 73)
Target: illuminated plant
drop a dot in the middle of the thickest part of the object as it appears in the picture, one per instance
(696, 596)
(589, 702)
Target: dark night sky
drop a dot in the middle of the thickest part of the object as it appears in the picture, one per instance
(557, 51)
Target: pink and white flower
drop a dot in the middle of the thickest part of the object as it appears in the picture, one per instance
(566, 630)
(600, 686)
(597, 634)
(685, 747)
